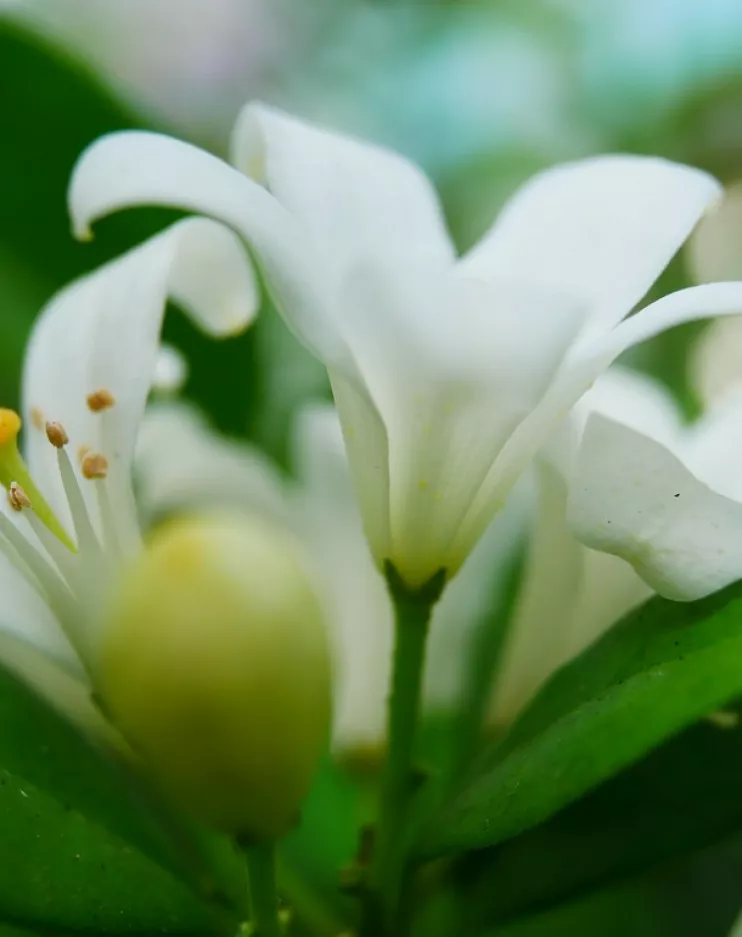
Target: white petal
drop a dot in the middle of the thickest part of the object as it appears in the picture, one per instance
(585, 363)
(539, 634)
(367, 445)
(610, 589)
(102, 332)
(712, 447)
(357, 601)
(182, 464)
(352, 196)
(632, 497)
(715, 252)
(636, 400)
(602, 229)
(448, 367)
(171, 371)
(716, 362)
(468, 601)
(137, 168)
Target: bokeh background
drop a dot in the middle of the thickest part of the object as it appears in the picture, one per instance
(481, 94)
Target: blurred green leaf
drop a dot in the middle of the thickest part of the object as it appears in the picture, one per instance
(681, 798)
(663, 667)
(323, 843)
(82, 845)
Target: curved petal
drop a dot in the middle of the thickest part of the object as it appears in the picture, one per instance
(601, 229)
(632, 497)
(712, 447)
(586, 362)
(636, 400)
(716, 362)
(181, 464)
(132, 168)
(102, 333)
(353, 197)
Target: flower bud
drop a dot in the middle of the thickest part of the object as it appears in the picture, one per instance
(214, 665)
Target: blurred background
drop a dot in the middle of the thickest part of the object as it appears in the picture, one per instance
(480, 94)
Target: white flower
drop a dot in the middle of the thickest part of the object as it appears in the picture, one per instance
(570, 595)
(448, 373)
(69, 520)
(179, 456)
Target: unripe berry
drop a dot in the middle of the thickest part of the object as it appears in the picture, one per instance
(214, 665)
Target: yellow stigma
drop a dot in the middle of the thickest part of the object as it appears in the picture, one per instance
(14, 477)
(10, 426)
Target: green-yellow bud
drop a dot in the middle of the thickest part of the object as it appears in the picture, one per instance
(215, 667)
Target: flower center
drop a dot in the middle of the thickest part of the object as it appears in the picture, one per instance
(71, 573)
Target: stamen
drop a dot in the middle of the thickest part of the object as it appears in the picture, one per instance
(101, 399)
(94, 465)
(107, 519)
(57, 435)
(17, 497)
(80, 518)
(44, 572)
(13, 471)
(82, 451)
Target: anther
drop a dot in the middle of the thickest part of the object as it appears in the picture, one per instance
(101, 399)
(57, 435)
(37, 418)
(94, 465)
(82, 451)
(17, 497)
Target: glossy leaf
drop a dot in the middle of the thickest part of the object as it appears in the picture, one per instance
(660, 669)
(682, 798)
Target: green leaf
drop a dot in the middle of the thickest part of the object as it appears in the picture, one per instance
(83, 846)
(682, 798)
(663, 667)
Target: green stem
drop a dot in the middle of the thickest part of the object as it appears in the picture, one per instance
(261, 874)
(412, 611)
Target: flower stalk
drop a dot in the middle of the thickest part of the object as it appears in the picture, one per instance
(412, 612)
(260, 858)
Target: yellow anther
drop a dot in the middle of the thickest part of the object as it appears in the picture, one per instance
(10, 426)
(57, 435)
(15, 478)
(94, 465)
(17, 497)
(101, 399)
(82, 451)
